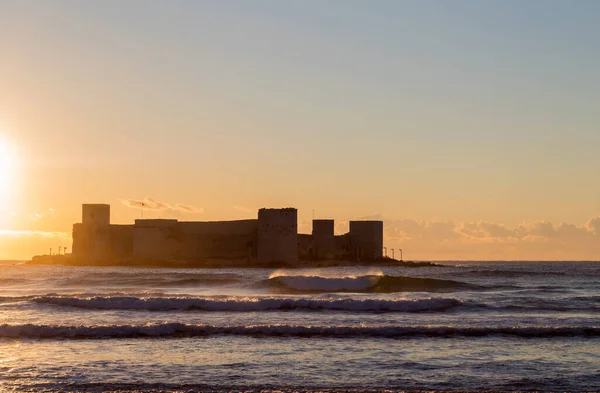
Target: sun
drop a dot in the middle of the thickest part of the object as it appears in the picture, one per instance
(8, 161)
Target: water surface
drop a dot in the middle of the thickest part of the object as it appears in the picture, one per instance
(476, 326)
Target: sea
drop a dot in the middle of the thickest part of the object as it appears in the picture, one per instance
(463, 326)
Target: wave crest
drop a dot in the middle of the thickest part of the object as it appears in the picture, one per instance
(245, 304)
(174, 330)
(362, 284)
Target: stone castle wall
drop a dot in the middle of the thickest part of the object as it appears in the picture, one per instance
(324, 239)
(153, 239)
(366, 239)
(271, 238)
(277, 239)
(95, 215)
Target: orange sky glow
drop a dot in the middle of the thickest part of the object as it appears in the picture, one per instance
(468, 143)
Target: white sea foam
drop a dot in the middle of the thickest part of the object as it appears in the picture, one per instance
(325, 273)
(244, 304)
(183, 330)
(318, 283)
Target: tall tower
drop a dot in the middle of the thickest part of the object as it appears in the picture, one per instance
(277, 235)
(367, 239)
(91, 238)
(323, 238)
(95, 215)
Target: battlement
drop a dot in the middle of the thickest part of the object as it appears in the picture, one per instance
(322, 227)
(157, 222)
(286, 211)
(271, 238)
(95, 214)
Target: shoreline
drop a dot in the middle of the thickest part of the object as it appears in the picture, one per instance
(67, 260)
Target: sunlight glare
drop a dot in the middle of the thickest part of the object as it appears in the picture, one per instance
(8, 160)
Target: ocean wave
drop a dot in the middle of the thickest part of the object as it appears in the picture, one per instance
(175, 330)
(511, 273)
(14, 299)
(222, 303)
(363, 284)
(146, 280)
(246, 304)
(592, 298)
(151, 280)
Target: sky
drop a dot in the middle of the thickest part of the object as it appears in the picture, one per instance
(470, 127)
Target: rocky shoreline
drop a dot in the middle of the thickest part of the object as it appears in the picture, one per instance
(68, 260)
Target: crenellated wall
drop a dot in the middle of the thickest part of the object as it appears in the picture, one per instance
(238, 227)
(271, 238)
(217, 240)
(170, 239)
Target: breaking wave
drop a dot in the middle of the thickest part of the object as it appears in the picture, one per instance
(156, 302)
(174, 330)
(244, 304)
(363, 284)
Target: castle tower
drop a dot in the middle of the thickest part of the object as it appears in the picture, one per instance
(91, 238)
(366, 239)
(277, 235)
(323, 237)
(95, 215)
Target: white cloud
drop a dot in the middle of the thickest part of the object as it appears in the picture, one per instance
(593, 225)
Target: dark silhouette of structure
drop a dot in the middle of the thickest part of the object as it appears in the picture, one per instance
(272, 237)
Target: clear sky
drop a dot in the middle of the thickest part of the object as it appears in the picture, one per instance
(479, 117)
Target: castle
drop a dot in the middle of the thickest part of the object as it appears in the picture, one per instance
(271, 238)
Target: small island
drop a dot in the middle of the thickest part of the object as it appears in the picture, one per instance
(269, 241)
(69, 260)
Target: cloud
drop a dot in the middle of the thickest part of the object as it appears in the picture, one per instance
(483, 230)
(135, 203)
(188, 208)
(570, 231)
(593, 225)
(403, 229)
(543, 229)
(342, 227)
(153, 204)
(482, 240)
(244, 209)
